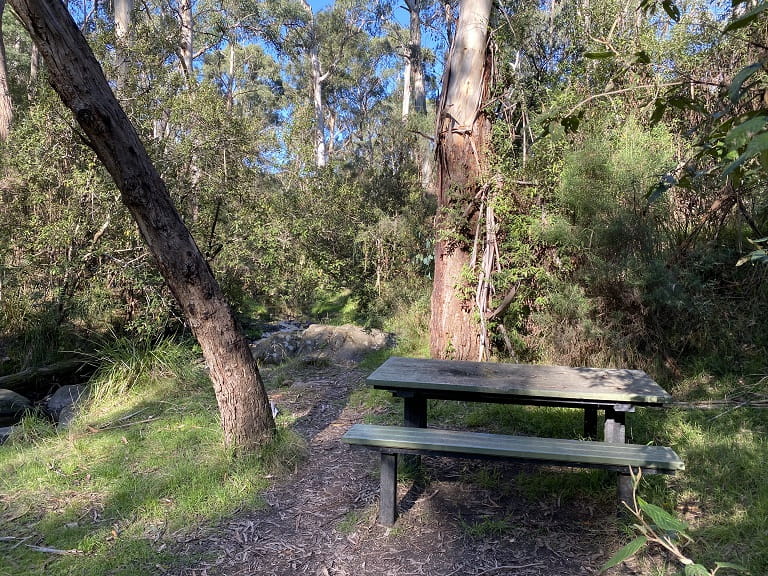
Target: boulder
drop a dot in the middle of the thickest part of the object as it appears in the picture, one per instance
(5, 432)
(278, 347)
(347, 343)
(12, 406)
(62, 404)
(320, 342)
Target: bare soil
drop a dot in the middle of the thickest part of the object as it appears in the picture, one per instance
(466, 518)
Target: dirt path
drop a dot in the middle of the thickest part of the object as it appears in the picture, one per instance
(471, 518)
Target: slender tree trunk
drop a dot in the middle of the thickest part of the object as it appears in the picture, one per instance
(317, 78)
(76, 76)
(414, 90)
(463, 136)
(407, 92)
(414, 63)
(123, 14)
(34, 64)
(417, 61)
(6, 104)
(187, 38)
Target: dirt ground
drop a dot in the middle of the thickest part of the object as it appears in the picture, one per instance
(322, 520)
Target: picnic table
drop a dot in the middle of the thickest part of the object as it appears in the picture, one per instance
(614, 391)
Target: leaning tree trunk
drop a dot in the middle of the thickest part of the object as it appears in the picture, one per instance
(75, 74)
(463, 135)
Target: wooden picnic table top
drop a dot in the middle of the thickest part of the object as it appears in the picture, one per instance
(437, 378)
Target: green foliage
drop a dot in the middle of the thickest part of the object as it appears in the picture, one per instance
(657, 526)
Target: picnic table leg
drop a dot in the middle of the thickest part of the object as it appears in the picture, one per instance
(388, 492)
(414, 416)
(415, 411)
(615, 432)
(590, 423)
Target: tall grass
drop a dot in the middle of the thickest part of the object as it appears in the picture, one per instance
(143, 466)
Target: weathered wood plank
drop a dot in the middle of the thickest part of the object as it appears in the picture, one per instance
(522, 380)
(570, 452)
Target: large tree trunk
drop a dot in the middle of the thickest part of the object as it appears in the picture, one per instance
(6, 104)
(415, 57)
(463, 135)
(77, 77)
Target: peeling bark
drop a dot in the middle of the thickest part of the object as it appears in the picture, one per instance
(463, 136)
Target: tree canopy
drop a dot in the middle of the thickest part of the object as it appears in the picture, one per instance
(621, 183)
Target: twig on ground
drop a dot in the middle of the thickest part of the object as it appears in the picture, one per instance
(507, 567)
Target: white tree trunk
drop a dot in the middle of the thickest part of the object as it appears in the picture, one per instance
(417, 61)
(317, 78)
(123, 13)
(407, 87)
(187, 38)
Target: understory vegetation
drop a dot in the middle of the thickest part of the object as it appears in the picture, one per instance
(626, 206)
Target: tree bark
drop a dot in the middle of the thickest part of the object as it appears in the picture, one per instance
(463, 136)
(317, 79)
(75, 74)
(6, 104)
(187, 38)
(123, 10)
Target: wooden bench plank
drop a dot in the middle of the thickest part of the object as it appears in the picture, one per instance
(571, 452)
(391, 440)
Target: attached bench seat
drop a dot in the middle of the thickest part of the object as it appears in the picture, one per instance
(393, 440)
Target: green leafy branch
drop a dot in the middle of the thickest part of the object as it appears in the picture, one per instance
(655, 525)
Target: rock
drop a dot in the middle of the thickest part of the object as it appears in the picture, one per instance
(62, 404)
(320, 342)
(12, 406)
(5, 432)
(347, 343)
(277, 348)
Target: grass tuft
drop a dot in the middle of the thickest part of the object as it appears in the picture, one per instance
(143, 465)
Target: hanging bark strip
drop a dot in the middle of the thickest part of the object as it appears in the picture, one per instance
(76, 75)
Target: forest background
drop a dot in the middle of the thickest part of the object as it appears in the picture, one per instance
(625, 192)
(618, 210)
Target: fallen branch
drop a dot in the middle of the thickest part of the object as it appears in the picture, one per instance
(25, 377)
(47, 550)
(95, 429)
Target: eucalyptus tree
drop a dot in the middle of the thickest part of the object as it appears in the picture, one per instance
(312, 48)
(123, 11)
(413, 74)
(6, 104)
(77, 77)
(462, 140)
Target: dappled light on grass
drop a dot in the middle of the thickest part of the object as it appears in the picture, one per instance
(724, 484)
(138, 471)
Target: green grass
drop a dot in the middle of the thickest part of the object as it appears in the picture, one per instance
(722, 494)
(485, 528)
(143, 466)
